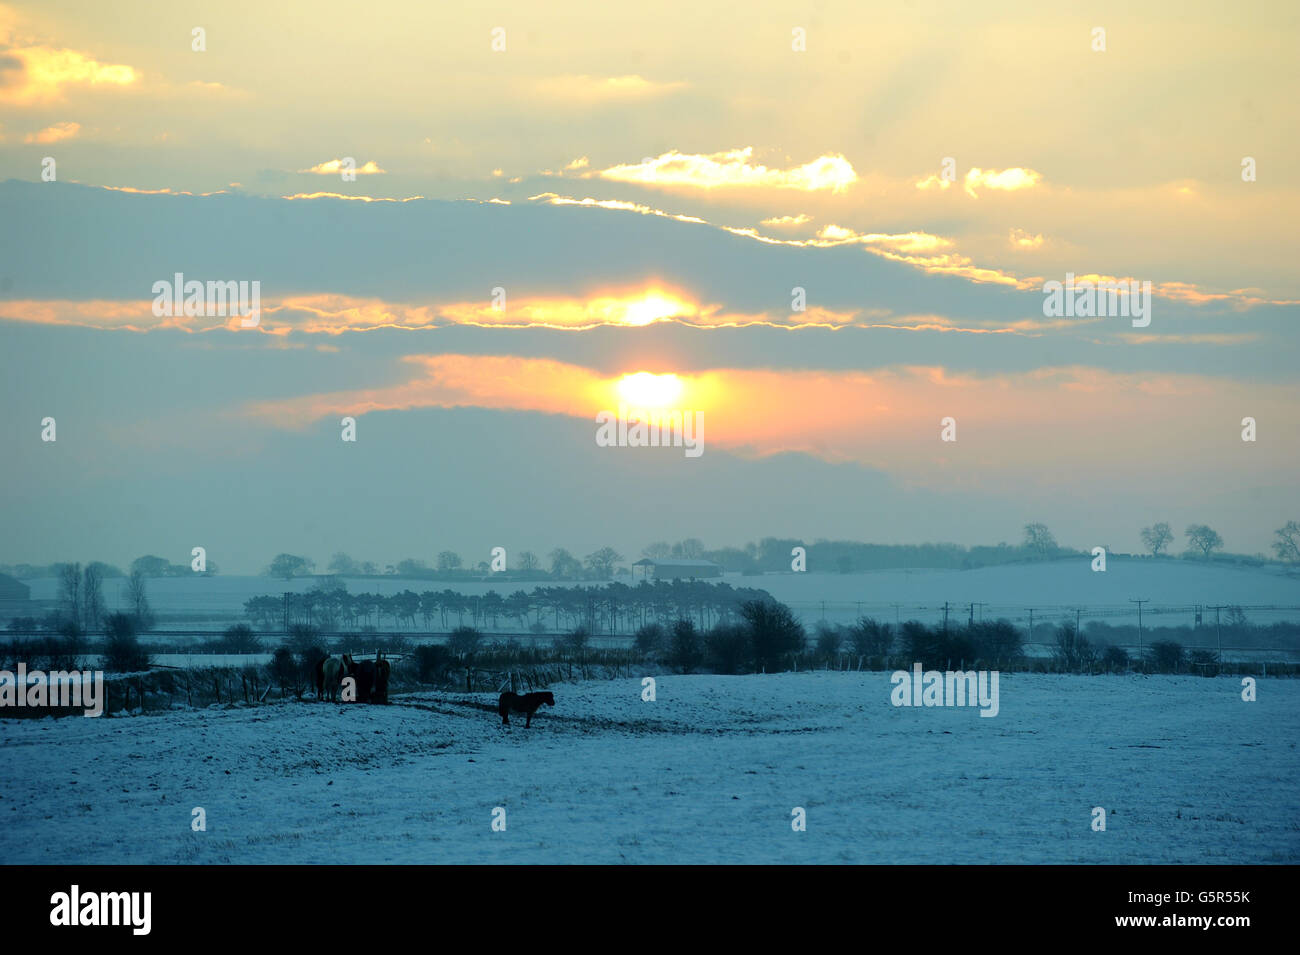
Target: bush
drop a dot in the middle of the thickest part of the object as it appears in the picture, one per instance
(1165, 656)
(239, 639)
(829, 639)
(282, 668)
(727, 649)
(463, 641)
(774, 632)
(996, 640)
(432, 662)
(1073, 650)
(871, 638)
(1115, 659)
(686, 652)
(650, 640)
(122, 650)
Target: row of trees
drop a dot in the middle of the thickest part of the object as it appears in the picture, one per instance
(609, 608)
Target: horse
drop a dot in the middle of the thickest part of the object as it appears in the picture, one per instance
(526, 703)
(330, 678)
(370, 678)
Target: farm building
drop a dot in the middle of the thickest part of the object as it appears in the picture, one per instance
(675, 569)
(15, 596)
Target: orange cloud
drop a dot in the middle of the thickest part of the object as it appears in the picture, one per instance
(1052, 421)
(54, 133)
(1005, 180)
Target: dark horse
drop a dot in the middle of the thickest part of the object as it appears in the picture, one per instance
(527, 703)
(370, 678)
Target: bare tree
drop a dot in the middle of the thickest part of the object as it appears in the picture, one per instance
(1157, 537)
(527, 560)
(70, 591)
(138, 600)
(1287, 544)
(1040, 540)
(1203, 538)
(93, 609)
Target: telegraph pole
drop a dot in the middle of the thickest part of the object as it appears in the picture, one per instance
(945, 618)
(1144, 600)
(1217, 638)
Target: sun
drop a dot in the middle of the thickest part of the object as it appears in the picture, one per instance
(653, 306)
(644, 390)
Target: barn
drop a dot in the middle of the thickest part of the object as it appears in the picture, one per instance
(675, 569)
(15, 596)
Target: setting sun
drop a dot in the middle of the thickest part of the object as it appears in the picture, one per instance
(644, 390)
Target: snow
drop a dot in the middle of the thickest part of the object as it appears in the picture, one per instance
(707, 773)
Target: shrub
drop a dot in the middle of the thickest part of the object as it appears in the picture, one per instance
(431, 662)
(829, 639)
(1115, 659)
(463, 641)
(239, 639)
(650, 640)
(774, 632)
(122, 650)
(1165, 656)
(871, 638)
(686, 652)
(727, 649)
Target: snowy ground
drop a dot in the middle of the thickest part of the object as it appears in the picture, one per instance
(707, 773)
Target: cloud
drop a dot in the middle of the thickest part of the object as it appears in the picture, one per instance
(54, 133)
(335, 167)
(787, 222)
(600, 89)
(732, 169)
(1048, 423)
(1004, 180)
(36, 75)
(1020, 239)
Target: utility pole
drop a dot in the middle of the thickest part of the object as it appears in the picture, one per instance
(981, 605)
(1077, 611)
(897, 623)
(1031, 624)
(1144, 600)
(1217, 638)
(945, 618)
(286, 611)
(970, 621)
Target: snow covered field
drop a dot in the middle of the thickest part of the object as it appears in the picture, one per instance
(709, 772)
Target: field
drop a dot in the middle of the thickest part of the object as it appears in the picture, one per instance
(708, 772)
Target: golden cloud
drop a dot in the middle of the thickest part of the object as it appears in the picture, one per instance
(732, 169)
(334, 167)
(44, 74)
(54, 133)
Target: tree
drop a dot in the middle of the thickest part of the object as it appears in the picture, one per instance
(685, 651)
(448, 561)
(1040, 540)
(92, 597)
(138, 601)
(659, 550)
(1287, 544)
(288, 566)
(690, 549)
(564, 564)
(151, 566)
(773, 630)
(870, 638)
(410, 567)
(602, 562)
(122, 650)
(240, 639)
(1157, 537)
(70, 591)
(343, 565)
(527, 560)
(1203, 538)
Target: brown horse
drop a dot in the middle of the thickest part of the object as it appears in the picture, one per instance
(527, 703)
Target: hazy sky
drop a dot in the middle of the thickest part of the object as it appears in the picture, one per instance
(647, 188)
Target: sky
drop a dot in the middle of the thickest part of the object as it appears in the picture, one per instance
(819, 229)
